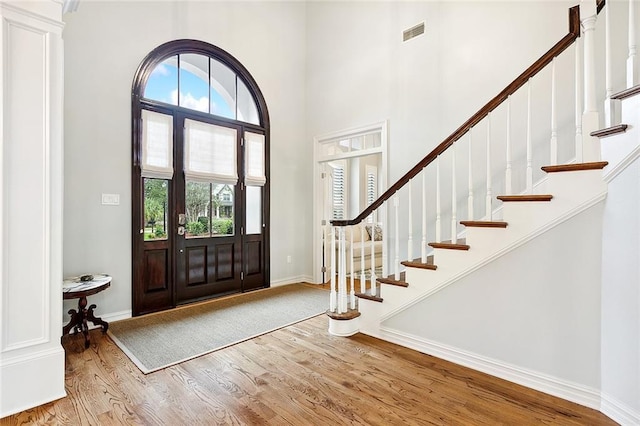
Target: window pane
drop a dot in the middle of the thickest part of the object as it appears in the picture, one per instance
(223, 90)
(254, 210)
(163, 82)
(156, 196)
(247, 110)
(198, 208)
(223, 200)
(372, 140)
(194, 82)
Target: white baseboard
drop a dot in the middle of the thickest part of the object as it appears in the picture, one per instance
(618, 412)
(31, 380)
(574, 392)
(292, 280)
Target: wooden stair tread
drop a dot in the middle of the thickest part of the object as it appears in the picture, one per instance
(392, 281)
(369, 297)
(609, 131)
(529, 197)
(350, 314)
(597, 165)
(448, 245)
(483, 224)
(417, 263)
(627, 93)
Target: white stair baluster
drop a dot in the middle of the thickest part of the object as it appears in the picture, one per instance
(363, 275)
(608, 102)
(553, 144)
(489, 198)
(410, 224)
(578, 100)
(352, 283)
(373, 255)
(438, 207)
(529, 154)
(342, 282)
(423, 244)
(454, 198)
(333, 295)
(470, 197)
(508, 172)
(396, 263)
(632, 65)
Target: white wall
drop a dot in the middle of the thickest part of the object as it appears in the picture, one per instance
(104, 44)
(535, 309)
(621, 295)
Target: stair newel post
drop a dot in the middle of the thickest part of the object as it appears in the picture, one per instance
(608, 102)
(423, 243)
(332, 295)
(529, 153)
(590, 120)
(508, 172)
(470, 197)
(578, 100)
(342, 272)
(489, 197)
(410, 224)
(363, 275)
(352, 284)
(396, 263)
(632, 60)
(454, 198)
(438, 206)
(553, 144)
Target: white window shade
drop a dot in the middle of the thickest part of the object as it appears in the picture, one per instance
(210, 153)
(157, 145)
(254, 159)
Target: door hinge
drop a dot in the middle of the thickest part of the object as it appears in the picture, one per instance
(323, 222)
(323, 175)
(324, 269)
(241, 141)
(242, 275)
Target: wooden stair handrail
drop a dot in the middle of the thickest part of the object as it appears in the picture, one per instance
(535, 68)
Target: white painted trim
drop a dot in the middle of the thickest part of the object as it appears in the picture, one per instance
(563, 218)
(574, 392)
(618, 412)
(293, 280)
(611, 173)
(55, 25)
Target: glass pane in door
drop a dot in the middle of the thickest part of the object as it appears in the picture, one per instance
(156, 197)
(198, 209)
(223, 211)
(254, 209)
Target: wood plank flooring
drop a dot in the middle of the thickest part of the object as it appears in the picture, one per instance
(299, 375)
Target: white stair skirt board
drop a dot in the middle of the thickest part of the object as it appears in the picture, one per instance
(527, 220)
(570, 391)
(618, 412)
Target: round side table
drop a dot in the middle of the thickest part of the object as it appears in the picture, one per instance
(80, 317)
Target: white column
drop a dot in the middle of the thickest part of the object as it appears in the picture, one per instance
(632, 60)
(508, 172)
(32, 365)
(529, 153)
(333, 294)
(396, 263)
(488, 200)
(470, 196)
(609, 104)
(590, 121)
(410, 224)
(578, 100)
(438, 207)
(423, 244)
(454, 197)
(553, 143)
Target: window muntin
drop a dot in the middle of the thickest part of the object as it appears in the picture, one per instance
(202, 83)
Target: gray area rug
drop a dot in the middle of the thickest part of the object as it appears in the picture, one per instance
(156, 341)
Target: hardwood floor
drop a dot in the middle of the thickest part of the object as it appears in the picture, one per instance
(299, 375)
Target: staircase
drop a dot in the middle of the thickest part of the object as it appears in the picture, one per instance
(396, 306)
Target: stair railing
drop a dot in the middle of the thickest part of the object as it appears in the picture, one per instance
(449, 159)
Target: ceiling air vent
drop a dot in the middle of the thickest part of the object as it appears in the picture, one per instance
(413, 32)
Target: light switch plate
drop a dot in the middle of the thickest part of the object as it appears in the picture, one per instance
(111, 199)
